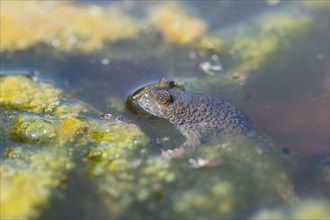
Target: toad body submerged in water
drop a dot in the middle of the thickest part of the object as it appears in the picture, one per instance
(197, 117)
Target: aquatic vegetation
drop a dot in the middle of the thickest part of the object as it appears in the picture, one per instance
(247, 47)
(284, 26)
(32, 129)
(28, 180)
(303, 210)
(176, 25)
(22, 25)
(37, 130)
(213, 45)
(272, 33)
(48, 138)
(116, 104)
(33, 171)
(177, 188)
(23, 93)
(229, 190)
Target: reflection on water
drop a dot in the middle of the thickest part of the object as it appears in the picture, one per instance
(270, 58)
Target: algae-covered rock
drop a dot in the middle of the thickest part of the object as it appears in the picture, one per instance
(28, 180)
(32, 129)
(47, 144)
(176, 25)
(23, 93)
(217, 181)
(22, 24)
(91, 26)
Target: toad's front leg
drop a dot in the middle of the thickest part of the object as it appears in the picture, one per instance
(192, 142)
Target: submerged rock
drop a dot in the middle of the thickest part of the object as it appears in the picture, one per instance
(23, 93)
(32, 129)
(222, 180)
(215, 181)
(29, 179)
(42, 131)
(90, 26)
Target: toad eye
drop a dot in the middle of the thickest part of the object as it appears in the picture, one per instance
(163, 97)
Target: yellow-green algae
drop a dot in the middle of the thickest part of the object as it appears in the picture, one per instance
(91, 26)
(216, 181)
(23, 93)
(28, 179)
(177, 25)
(247, 47)
(23, 25)
(303, 210)
(48, 142)
(128, 178)
(115, 103)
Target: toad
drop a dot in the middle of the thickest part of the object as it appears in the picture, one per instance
(198, 117)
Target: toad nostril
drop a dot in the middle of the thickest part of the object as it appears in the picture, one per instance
(138, 94)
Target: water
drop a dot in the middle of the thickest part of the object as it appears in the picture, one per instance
(286, 97)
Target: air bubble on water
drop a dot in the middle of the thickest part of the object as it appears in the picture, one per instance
(105, 61)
